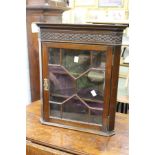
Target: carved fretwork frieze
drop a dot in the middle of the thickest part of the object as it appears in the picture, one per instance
(109, 38)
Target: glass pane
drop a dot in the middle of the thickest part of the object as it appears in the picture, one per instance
(77, 80)
(98, 59)
(95, 116)
(55, 110)
(74, 109)
(75, 61)
(54, 56)
(61, 84)
(91, 85)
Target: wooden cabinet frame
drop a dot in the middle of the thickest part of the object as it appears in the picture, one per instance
(112, 51)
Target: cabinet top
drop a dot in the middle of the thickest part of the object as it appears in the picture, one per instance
(108, 33)
(96, 27)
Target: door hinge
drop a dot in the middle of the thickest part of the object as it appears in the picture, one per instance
(46, 85)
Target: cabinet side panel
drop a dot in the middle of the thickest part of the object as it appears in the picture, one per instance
(114, 85)
(109, 60)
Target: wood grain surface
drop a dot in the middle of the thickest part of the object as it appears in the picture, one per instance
(38, 13)
(75, 142)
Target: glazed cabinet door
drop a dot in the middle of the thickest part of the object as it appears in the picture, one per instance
(76, 84)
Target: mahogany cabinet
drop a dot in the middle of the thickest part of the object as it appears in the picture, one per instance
(38, 11)
(79, 75)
